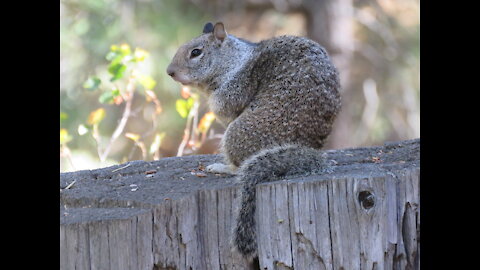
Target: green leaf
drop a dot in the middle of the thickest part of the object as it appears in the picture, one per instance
(115, 92)
(182, 107)
(147, 81)
(133, 136)
(129, 58)
(112, 55)
(92, 83)
(95, 117)
(63, 116)
(114, 48)
(115, 58)
(108, 96)
(64, 136)
(140, 54)
(125, 49)
(190, 102)
(117, 70)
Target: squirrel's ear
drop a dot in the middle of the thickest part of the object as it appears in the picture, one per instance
(219, 31)
(208, 28)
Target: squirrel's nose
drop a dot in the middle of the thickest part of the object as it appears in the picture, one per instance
(170, 71)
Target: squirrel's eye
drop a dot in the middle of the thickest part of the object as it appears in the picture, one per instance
(195, 53)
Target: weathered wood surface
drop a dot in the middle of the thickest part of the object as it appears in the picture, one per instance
(168, 214)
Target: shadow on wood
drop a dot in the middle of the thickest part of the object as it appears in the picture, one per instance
(169, 214)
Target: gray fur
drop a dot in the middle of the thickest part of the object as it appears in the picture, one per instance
(278, 99)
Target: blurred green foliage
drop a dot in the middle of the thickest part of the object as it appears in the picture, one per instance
(94, 57)
(110, 46)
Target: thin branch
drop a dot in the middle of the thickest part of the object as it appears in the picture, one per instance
(71, 184)
(123, 121)
(188, 128)
(66, 153)
(96, 137)
(121, 168)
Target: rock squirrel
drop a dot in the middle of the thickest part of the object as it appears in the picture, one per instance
(278, 99)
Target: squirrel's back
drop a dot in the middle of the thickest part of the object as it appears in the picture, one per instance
(295, 62)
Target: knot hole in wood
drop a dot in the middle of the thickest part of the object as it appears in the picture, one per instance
(366, 199)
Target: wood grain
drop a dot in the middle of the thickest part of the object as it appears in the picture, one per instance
(365, 214)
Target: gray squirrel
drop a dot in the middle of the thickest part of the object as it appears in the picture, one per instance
(278, 99)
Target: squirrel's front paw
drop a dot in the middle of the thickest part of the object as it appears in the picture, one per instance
(220, 168)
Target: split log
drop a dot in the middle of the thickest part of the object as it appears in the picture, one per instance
(169, 214)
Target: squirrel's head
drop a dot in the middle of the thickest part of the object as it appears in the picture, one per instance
(195, 61)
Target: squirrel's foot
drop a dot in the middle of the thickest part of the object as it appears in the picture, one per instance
(220, 168)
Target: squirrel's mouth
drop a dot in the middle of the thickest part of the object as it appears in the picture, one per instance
(177, 75)
(184, 82)
(181, 79)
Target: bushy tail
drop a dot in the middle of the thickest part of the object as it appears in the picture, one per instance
(268, 165)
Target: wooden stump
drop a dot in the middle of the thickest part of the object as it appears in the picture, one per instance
(169, 214)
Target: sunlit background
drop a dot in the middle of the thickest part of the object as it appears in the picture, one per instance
(118, 104)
